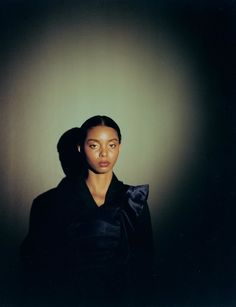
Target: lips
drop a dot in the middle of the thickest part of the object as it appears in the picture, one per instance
(104, 164)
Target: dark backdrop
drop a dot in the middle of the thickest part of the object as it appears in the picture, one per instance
(195, 244)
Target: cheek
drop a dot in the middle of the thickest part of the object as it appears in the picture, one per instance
(93, 155)
(89, 155)
(115, 155)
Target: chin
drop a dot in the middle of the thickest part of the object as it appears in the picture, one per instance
(100, 171)
(104, 172)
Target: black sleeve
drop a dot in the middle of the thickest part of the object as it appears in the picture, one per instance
(144, 246)
(144, 256)
(34, 249)
(27, 249)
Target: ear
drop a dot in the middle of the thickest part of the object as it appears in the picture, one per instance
(78, 148)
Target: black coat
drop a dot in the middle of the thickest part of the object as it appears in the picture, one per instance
(76, 249)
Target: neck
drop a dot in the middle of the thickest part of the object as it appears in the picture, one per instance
(99, 182)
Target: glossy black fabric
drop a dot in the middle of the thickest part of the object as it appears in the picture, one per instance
(76, 249)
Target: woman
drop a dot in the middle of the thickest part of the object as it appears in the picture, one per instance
(90, 238)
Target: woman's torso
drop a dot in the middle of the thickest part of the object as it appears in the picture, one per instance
(80, 246)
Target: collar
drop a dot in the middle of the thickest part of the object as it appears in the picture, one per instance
(77, 190)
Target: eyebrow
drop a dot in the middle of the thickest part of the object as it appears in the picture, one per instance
(95, 140)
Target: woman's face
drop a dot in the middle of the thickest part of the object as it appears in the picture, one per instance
(101, 148)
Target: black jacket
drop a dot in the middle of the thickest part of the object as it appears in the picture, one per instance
(75, 248)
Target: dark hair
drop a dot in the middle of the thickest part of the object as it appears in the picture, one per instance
(98, 120)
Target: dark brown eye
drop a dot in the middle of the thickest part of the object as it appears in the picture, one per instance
(93, 146)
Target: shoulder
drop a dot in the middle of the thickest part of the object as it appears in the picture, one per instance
(137, 198)
(138, 193)
(52, 193)
(43, 202)
(45, 196)
(50, 196)
(53, 196)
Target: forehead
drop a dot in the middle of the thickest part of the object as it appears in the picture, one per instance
(102, 133)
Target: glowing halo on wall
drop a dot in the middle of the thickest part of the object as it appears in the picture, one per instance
(70, 71)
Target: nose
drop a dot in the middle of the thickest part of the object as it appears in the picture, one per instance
(103, 152)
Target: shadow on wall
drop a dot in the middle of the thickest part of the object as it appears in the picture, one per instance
(67, 148)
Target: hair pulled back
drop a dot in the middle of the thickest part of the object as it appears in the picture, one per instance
(98, 120)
